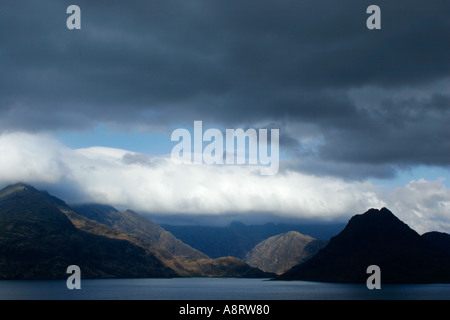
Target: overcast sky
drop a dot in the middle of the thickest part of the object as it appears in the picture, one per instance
(363, 114)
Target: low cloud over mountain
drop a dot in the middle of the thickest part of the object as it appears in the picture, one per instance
(157, 185)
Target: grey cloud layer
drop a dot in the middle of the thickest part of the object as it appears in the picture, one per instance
(287, 63)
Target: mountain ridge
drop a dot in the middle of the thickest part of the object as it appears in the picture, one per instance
(132, 223)
(376, 237)
(183, 259)
(35, 224)
(38, 241)
(40, 235)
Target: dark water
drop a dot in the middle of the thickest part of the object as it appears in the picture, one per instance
(215, 289)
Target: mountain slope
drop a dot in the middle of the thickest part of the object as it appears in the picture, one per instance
(40, 236)
(376, 237)
(38, 241)
(180, 257)
(132, 223)
(279, 253)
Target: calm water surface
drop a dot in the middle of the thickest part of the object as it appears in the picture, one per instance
(214, 289)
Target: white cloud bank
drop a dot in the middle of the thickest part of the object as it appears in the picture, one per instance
(147, 184)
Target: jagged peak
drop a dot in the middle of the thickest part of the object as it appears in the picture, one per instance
(376, 213)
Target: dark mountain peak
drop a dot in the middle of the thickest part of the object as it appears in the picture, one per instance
(23, 194)
(386, 211)
(383, 213)
(24, 208)
(376, 237)
(24, 190)
(381, 225)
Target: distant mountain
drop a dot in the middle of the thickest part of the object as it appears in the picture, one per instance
(237, 239)
(376, 237)
(279, 253)
(38, 241)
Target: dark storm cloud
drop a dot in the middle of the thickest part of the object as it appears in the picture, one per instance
(236, 63)
(401, 132)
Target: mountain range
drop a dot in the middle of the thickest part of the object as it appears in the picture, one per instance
(378, 237)
(40, 236)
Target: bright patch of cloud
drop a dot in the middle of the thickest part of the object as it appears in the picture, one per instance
(423, 205)
(156, 184)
